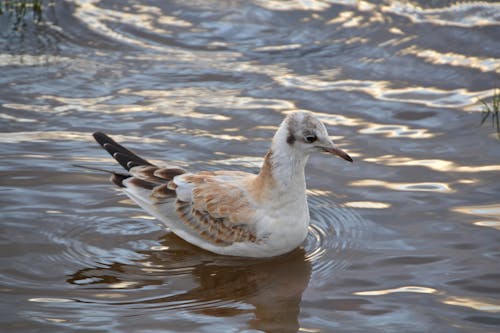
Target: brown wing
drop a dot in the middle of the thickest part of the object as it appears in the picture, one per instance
(220, 211)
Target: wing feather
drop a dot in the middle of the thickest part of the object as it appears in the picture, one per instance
(124, 156)
(220, 211)
(154, 179)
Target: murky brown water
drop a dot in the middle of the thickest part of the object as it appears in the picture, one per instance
(406, 239)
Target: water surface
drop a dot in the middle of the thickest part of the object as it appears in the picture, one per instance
(406, 239)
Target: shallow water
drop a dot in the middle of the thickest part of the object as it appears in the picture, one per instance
(406, 239)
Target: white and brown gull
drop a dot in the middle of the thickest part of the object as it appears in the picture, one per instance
(232, 212)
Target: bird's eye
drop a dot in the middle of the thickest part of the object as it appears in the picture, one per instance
(310, 138)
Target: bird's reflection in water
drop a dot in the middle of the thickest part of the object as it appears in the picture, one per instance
(217, 285)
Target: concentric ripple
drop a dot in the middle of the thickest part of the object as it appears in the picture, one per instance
(105, 240)
(335, 233)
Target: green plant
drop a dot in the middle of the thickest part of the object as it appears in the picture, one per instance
(18, 9)
(492, 110)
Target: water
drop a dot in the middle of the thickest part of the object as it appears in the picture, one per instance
(406, 239)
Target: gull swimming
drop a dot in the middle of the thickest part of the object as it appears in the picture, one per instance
(232, 212)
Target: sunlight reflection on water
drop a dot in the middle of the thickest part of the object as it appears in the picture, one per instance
(203, 85)
(434, 164)
(405, 289)
(431, 187)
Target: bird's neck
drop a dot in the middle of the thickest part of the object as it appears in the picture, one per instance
(283, 170)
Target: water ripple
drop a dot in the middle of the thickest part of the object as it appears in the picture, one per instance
(334, 236)
(453, 59)
(466, 15)
(208, 82)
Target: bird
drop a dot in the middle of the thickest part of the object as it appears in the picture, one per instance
(229, 212)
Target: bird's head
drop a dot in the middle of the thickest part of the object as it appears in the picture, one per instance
(304, 134)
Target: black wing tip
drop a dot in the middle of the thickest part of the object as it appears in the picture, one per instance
(102, 138)
(125, 157)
